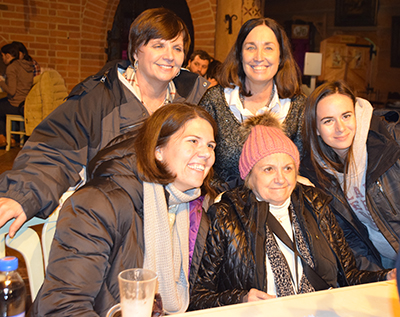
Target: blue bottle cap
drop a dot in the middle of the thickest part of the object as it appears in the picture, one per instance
(8, 263)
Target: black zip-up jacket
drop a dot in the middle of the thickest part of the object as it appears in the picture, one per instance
(234, 258)
(99, 234)
(382, 195)
(58, 151)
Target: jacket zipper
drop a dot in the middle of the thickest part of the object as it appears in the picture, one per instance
(387, 198)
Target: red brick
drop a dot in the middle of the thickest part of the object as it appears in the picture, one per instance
(58, 6)
(67, 27)
(55, 33)
(67, 55)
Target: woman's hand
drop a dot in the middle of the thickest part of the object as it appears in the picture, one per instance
(391, 275)
(10, 209)
(256, 295)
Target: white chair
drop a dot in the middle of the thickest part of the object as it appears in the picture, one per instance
(27, 242)
(10, 118)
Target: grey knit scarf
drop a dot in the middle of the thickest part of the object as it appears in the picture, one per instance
(166, 238)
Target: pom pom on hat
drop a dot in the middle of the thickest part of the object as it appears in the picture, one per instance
(263, 141)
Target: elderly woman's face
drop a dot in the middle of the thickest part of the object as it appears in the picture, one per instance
(160, 60)
(260, 56)
(189, 153)
(273, 178)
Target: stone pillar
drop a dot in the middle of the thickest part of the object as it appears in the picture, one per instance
(234, 12)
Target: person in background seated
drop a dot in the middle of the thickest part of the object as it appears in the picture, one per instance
(212, 72)
(140, 217)
(258, 75)
(16, 83)
(355, 157)
(112, 102)
(273, 237)
(23, 54)
(198, 62)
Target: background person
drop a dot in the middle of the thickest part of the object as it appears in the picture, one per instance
(16, 83)
(115, 100)
(198, 62)
(212, 72)
(353, 156)
(23, 54)
(258, 75)
(273, 236)
(140, 217)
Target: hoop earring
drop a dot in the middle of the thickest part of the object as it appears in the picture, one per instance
(135, 65)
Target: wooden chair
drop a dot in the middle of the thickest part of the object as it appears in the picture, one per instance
(10, 118)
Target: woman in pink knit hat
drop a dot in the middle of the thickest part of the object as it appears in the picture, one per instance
(273, 236)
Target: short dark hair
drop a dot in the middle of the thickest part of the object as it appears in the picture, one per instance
(11, 49)
(288, 76)
(202, 54)
(22, 48)
(158, 23)
(156, 132)
(312, 142)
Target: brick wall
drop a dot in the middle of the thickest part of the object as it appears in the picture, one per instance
(71, 35)
(203, 16)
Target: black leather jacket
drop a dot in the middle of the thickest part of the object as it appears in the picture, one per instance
(382, 195)
(234, 259)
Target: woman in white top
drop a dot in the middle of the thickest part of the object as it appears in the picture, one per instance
(259, 74)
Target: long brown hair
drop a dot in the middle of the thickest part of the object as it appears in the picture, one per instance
(288, 76)
(158, 23)
(157, 131)
(313, 144)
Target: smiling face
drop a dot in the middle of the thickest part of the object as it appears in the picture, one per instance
(159, 61)
(336, 122)
(198, 65)
(260, 56)
(189, 154)
(273, 178)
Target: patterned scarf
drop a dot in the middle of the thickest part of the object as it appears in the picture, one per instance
(280, 269)
(130, 76)
(166, 237)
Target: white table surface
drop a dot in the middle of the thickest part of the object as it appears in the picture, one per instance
(374, 299)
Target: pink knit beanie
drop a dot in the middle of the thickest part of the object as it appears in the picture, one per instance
(264, 141)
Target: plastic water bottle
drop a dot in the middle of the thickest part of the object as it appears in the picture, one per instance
(12, 289)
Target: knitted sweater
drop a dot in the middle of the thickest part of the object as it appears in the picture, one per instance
(229, 140)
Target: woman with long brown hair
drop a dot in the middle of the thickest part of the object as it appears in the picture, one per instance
(259, 75)
(355, 157)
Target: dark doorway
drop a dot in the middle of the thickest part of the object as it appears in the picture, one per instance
(128, 10)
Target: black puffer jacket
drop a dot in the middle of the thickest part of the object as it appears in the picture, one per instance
(99, 234)
(382, 194)
(234, 260)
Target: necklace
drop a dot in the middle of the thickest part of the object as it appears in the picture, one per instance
(241, 98)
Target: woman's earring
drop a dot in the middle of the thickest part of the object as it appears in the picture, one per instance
(158, 155)
(135, 65)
